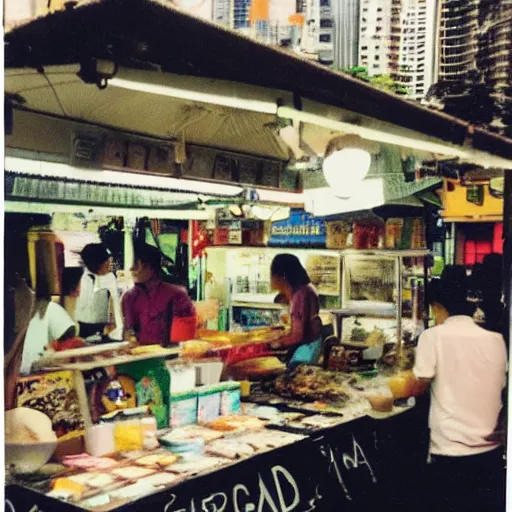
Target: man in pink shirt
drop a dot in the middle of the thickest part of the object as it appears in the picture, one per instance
(465, 366)
(156, 312)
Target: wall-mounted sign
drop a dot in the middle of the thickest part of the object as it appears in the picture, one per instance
(244, 169)
(300, 229)
(49, 189)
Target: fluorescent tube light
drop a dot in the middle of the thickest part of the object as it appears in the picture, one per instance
(370, 133)
(253, 105)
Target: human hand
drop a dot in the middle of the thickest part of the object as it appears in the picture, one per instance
(130, 337)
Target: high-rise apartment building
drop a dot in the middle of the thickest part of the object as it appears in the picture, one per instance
(317, 34)
(458, 38)
(494, 56)
(346, 33)
(417, 47)
(379, 38)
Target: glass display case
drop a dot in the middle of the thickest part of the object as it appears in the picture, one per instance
(364, 284)
(384, 295)
(240, 278)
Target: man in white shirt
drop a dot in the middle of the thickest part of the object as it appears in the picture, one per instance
(466, 367)
(97, 287)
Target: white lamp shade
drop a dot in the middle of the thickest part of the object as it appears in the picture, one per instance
(344, 170)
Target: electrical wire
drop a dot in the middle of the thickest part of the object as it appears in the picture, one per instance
(54, 93)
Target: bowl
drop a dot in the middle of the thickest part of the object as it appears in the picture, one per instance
(28, 457)
(381, 403)
(29, 440)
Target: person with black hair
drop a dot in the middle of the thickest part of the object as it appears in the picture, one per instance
(156, 312)
(98, 290)
(290, 279)
(465, 367)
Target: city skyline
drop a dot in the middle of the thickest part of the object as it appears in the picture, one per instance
(432, 51)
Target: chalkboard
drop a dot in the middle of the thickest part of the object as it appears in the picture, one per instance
(21, 499)
(351, 457)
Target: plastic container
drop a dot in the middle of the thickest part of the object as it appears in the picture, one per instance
(183, 409)
(99, 440)
(208, 404)
(148, 425)
(230, 399)
(186, 448)
(183, 378)
(128, 436)
(208, 372)
(381, 399)
(402, 385)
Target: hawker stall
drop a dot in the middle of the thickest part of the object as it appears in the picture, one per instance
(119, 132)
(221, 444)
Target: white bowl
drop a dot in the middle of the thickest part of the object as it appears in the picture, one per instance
(28, 457)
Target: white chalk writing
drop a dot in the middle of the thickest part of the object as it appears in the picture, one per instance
(357, 459)
(283, 485)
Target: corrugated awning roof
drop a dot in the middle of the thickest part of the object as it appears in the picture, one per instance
(147, 34)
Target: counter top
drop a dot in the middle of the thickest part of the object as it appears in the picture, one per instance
(359, 464)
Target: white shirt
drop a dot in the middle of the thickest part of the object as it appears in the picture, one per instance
(42, 331)
(93, 304)
(468, 368)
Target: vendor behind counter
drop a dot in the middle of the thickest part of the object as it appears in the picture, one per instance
(290, 279)
(156, 312)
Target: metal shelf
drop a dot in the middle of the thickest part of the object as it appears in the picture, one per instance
(404, 253)
(256, 305)
(371, 313)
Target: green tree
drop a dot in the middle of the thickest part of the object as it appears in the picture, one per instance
(384, 82)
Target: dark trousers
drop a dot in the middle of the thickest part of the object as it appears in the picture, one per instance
(472, 483)
(87, 330)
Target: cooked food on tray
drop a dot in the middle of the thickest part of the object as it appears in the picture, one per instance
(257, 367)
(232, 423)
(313, 383)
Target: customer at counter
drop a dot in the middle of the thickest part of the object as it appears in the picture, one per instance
(156, 312)
(50, 325)
(98, 288)
(466, 367)
(304, 343)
